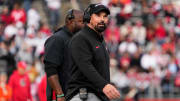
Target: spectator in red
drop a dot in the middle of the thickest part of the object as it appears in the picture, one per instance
(169, 46)
(160, 32)
(5, 16)
(20, 83)
(5, 89)
(18, 14)
(45, 30)
(42, 89)
(112, 32)
(125, 61)
(150, 33)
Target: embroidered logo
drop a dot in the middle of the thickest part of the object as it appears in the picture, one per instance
(22, 82)
(97, 47)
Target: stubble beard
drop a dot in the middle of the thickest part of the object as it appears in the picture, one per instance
(100, 27)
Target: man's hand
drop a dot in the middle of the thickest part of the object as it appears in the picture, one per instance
(61, 99)
(111, 92)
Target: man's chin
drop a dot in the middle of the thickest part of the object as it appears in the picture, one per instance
(77, 30)
(100, 29)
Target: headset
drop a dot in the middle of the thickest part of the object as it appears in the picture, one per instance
(88, 11)
(70, 14)
(87, 14)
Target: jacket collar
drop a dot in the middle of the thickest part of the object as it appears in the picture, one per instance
(64, 28)
(67, 31)
(94, 33)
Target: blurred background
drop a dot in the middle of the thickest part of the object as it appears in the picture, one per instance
(143, 39)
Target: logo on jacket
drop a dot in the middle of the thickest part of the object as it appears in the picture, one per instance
(97, 47)
(22, 82)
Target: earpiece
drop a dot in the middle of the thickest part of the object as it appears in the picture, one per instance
(87, 15)
(70, 14)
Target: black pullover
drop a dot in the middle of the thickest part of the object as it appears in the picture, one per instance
(55, 58)
(89, 63)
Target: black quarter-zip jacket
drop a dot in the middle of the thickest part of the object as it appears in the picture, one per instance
(55, 58)
(89, 63)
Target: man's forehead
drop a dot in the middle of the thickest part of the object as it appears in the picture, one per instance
(78, 12)
(78, 15)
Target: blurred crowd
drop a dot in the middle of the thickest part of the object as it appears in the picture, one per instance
(143, 39)
(22, 37)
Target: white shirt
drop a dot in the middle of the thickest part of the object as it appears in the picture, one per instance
(54, 4)
(139, 34)
(130, 47)
(10, 30)
(148, 61)
(33, 18)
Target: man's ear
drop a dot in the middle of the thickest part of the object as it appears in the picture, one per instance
(71, 21)
(68, 22)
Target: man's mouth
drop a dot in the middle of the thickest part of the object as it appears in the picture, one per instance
(101, 24)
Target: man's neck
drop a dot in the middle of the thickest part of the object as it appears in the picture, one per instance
(69, 28)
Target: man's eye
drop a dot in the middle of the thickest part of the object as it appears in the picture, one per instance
(106, 16)
(98, 15)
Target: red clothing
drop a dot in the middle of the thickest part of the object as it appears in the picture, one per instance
(42, 89)
(5, 93)
(112, 34)
(125, 62)
(46, 31)
(160, 32)
(150, 34)
(125, 2)
(18, 15)
(169, 46)
(6, 18)
(20, 85)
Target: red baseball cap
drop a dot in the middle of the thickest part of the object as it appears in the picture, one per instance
(22, 64)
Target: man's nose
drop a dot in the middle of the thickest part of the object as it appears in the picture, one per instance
(102, 18)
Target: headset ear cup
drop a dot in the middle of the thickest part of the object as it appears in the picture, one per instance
(87, 17)
(70, 14)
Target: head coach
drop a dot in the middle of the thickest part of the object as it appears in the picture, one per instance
(90, 60)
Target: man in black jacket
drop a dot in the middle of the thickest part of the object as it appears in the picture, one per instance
(89, 59)
(56, 47)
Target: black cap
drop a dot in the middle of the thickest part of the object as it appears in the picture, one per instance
(96, 8)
